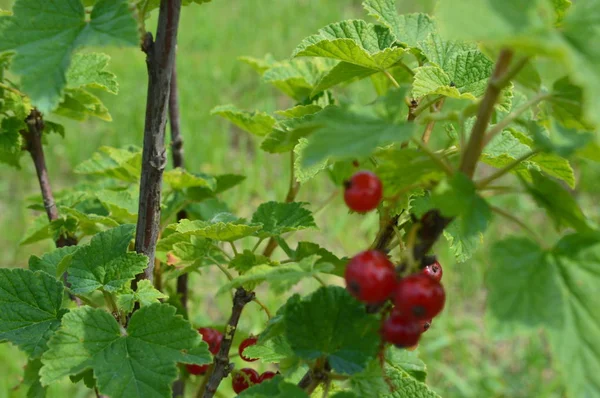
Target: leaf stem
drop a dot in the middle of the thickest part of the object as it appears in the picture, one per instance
(264, 307)
(486, 181)
(443, 165)
(220, 266)
(235, 252)
(260, 240)
(520, 223)
(514, 115)
(392, 79)
(320, 280)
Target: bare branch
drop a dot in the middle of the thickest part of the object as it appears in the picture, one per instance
(222, 367)
(160, 59)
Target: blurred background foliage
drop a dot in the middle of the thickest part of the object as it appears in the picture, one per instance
(462, 359)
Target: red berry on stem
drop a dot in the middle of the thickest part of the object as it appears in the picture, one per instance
(370, 276)
(401, 330)
(434, 270)
(266, 376)
(419, 297)
(247, 343)
(213, 338)
(244, 379)
(363, 191)
(196, 369)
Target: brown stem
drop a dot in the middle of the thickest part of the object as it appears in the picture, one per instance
(486, 109)
(33, 142)
(429, 128)
(222, 367)
(160, 59)
(412, 115)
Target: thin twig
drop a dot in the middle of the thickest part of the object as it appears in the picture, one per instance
(264, 307)
(514, 115)
(433, 156)
(222, 367)
(486, 109)
(499, 173)
(293, 189)
(520, 223)
(160, 59)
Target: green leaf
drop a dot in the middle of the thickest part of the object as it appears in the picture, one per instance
(223, 183)
(442, 53)
(274, 350)
(243, 262)
(342, 134)
(304, 174)
(257, 123)
(145, 294)
(30, 308)
(122, 204)
(522, 288)
(287, 133)
(355, 42)
(55, 30)
(180, 179)
(457, 197)
(576, 344)
(88, 70)
(405, 386)
(560, 206)
(105, 263)
(278, 218)
(306, 249)
(330, 323)
(298, 78)
(281, 277)
(88, 223)
(11, 142)
(407, 361)
(41, 229)
(401, 169)
(216, 229)
(138, 363)
(78, 104)
(276, 387)
(409, 29)
(31, 378)
(55, 262)
(465, 76)
(259, 65)
(299, 111)
(566, 104)
(123, 164)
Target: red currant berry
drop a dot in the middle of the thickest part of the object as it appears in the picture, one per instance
(247, 343)
(401, 331)
(197, 369)
(213, 338)
(419, 296)
(434, 270)
(266, 376)
(244, 379)
(370, 276)
(363, 191)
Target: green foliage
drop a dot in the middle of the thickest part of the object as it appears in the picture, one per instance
(55, 262)
(105, 263)
(275, 387)
(30, 308)
(124, 365)
(56, 30)
(279, 218)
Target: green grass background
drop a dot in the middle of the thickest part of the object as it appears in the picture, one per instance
(463, 361)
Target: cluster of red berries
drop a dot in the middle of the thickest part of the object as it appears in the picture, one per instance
(371, 276)
(242, 379)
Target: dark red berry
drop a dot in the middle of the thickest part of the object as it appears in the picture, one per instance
(370, 276)
(363, 191)
(247, 343)
(266, 376)
(401, 331)
(197, 369)
(213, 338)
(244, 379)
(434, 270)
(419, 296)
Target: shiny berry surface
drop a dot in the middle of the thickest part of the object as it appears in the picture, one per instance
(401, 331)
(213, 338)
(370, 276)
(363, 192)
(419, 296)
(434, 270)
(266, 376)
(244, 379)
(247, 343)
